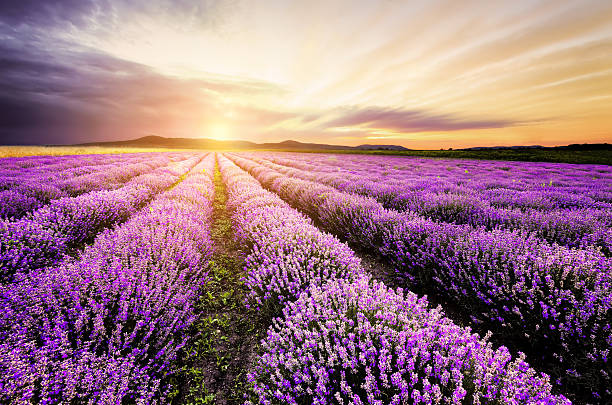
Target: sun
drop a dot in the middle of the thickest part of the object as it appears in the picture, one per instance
(219, 131)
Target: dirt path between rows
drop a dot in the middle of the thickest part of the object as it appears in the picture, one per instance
(227, 333)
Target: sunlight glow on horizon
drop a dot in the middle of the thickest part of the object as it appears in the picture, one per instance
(424, 74)
(219, 131)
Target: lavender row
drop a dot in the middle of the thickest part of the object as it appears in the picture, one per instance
(288, 253)
(42, 163)
(569, 227)
(43, 237)
(27, 192)
(555, 300)
(344, 338)
(25, 189)
(111, 176)
(75, 166)
(107, 328)
(549, 185)
(530, 186)
(362, 343)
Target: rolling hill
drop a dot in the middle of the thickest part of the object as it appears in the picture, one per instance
(153, 141)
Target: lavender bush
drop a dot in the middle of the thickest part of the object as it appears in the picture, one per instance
(572, 219)
(42, 237)
(554, 299)
(287, 254)
(358, 342)
(107, 327)
(24, 190)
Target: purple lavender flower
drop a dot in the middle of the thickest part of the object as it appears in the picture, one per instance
(107, 327)
(360, 342)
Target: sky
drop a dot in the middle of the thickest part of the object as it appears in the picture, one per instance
(421, 74)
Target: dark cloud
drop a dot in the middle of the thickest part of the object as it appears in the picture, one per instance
(67, 94)
(407, 120)
(55, 91)
(78, 95)
(48, 12)
(108, 14)
(73, 95)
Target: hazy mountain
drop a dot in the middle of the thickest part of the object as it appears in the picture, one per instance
(380, 147)
(153, 141)
(574, 146)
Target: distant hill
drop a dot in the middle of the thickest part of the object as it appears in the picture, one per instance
(587, 146)
(574, 146)
(380, 147)
(597, 153)
(153, 141)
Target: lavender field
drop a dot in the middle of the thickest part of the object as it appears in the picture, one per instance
(287, 278)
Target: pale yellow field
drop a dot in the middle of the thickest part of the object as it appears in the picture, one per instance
(18, 151)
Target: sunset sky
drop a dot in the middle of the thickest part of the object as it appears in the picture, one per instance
(422, 74)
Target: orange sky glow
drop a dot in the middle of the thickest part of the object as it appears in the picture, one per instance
(422, 74)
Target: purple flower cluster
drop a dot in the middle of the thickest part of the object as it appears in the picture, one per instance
(359, 342)
(42, 237)
(506, 184)
(559, 215)
(106, 328)
(19, 200)
(554, 299)
(23, 190)
(343, 338)
(115, 175)
(287, 253)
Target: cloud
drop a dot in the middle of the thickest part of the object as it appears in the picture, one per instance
(402, 120)
(108, 14)
(72, 94)
(49, 12)
(79, 95)
(87, 70)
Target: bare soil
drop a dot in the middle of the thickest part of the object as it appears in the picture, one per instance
(215, 364)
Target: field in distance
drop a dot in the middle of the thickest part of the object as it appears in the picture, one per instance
(213, 277)
(22, 151)
(590, 154)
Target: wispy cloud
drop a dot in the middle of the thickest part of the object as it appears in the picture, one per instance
(84, 96)
(419, 71)
(401, 120)
(108, 14)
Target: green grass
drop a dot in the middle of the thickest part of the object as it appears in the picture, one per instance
(529, 155)
(214, 363)
(603, 157)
